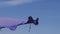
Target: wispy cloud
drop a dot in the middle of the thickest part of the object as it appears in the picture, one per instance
(13, 2)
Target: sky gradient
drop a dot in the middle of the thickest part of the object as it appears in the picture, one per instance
(48, 12)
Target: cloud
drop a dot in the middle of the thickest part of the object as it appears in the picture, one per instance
(14, 2)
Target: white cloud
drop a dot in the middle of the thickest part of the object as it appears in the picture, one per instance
(15, 2)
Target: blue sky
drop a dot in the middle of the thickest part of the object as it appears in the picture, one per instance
(47, 10)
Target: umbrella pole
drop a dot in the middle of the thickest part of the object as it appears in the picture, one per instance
(29, 27)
